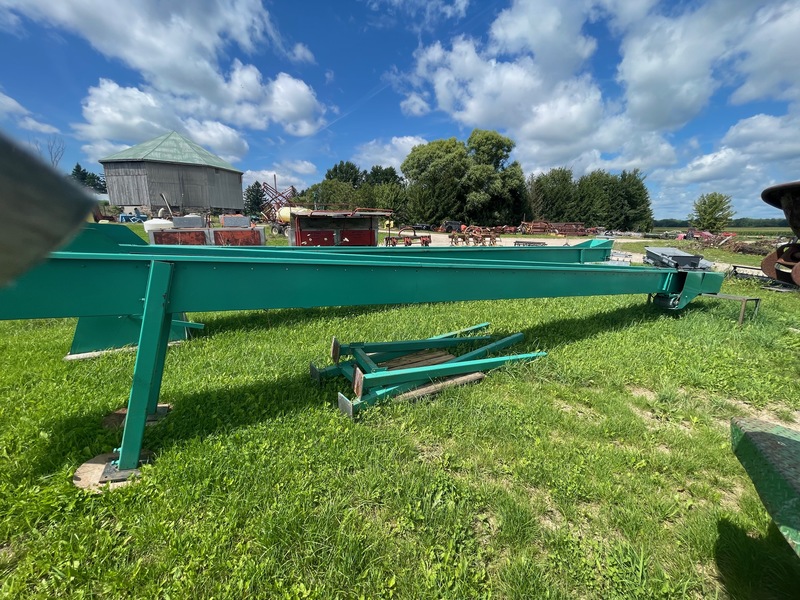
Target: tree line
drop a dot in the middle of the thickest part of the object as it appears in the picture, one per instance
(744, 222)
(597, 199)
(474, 181)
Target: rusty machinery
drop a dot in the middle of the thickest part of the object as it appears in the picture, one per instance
(784, 263)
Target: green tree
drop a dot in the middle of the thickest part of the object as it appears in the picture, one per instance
(556, 192)
(95, 182)
(346, 172)
(435, 172)
(254, 197)
(638, 215)
(712, 212)
(471, 182)
(79, 173)
(332, 194)
(379, 175)
(495, 190)
(91, 180)
(392, 196)
(595, 191)
(535, 204)
(489, 148)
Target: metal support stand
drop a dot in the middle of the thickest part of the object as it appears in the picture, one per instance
(743, 299)
(149, 365)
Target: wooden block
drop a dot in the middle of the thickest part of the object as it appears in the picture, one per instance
(435, 388)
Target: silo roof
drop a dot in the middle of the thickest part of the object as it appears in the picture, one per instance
(171, 147)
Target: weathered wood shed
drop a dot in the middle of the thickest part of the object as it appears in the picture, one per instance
(188, 175)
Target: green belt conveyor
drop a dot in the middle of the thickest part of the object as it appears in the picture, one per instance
(108, 273)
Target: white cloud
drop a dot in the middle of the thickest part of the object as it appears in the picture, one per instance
(766, 137)
(124, 113)
(302, 167)
(716, 166)
(419, 14)
(301, 53)
(573, 110)
(293, 104)
(548, 30)
(113, 113)
(477, 90)
(285, 179)
(221, 139)
(415, 105)
(624, 13)
(177, 48)
(98, 149)
(769, 55)
(667, 69)
(329, 76)
(32, 124)
(10, 107)
(391, 154)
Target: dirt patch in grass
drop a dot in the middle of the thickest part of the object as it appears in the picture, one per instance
(663, 448)
(641, 392)
(653, 422)
(581, 411)
(779, 415)
(485, 527)
(429, 453)
(550, 518)
(729, 499)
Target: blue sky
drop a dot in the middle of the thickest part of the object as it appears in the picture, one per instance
(701, 95)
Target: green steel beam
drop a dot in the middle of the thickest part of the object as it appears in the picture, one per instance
(770, 454)
(97, 334)
(78, 285)
(115, 238)
(408, 346)
(368, 381)
(345, 368)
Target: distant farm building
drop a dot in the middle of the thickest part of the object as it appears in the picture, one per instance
(175, 168)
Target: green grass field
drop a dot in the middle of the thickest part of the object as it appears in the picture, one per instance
(603, 470)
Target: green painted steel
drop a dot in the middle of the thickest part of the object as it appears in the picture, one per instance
(399, 376)
(104, 237)
(408, 346)
(156, 283)
(97, 334)
(83, 284)
(376, 394)
(149, 366)
(771, 456)
(117, 238)
(345, 368)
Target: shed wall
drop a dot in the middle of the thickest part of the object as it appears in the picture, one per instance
(126, 183)
(185, 186)
(189, 186)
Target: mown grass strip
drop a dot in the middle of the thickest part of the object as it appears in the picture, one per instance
(602, 470)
